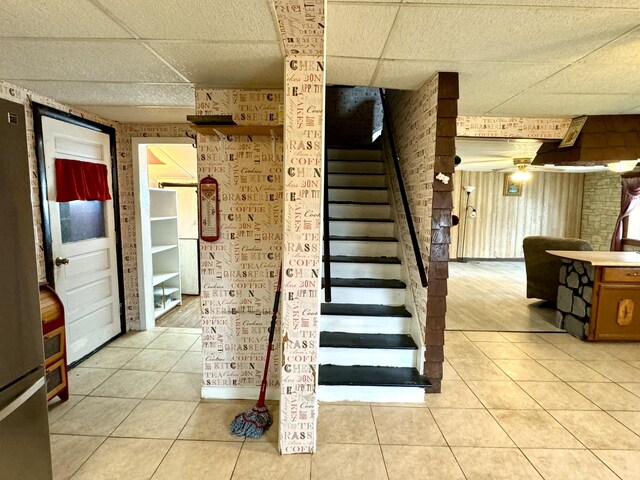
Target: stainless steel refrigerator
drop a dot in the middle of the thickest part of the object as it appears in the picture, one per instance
(24, 428)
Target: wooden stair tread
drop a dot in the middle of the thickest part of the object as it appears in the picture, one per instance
(363, 310)
(371, 376)
(366, 283)
(367, 340)
(362, 239)
(376, 220)
(358, 259)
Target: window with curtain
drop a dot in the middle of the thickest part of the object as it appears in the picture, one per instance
(628, 222)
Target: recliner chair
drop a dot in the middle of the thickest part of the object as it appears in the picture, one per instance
(543, 269)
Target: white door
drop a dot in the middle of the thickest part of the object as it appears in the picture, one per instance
(188, 233)
(83, 243)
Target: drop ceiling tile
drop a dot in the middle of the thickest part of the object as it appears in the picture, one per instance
(625, 49)
(543, 3)
(226, 65)
(101, 93)
(505, 34)
(141, 114)
(474, 78)
(358, 30)
(126, 61)
(480, 103)
(223, 20)
(56, 18)
(350, 71)
(590, 78)
(562, 104)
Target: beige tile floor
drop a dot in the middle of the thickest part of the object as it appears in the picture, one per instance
(514, 406)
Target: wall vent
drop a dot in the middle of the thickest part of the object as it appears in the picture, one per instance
(13, 118)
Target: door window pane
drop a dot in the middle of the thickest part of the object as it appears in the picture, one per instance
(81, 220)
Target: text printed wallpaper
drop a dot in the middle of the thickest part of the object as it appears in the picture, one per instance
(239, 272)
(302, 30)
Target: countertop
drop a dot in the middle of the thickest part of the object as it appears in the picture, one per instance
(601, 259)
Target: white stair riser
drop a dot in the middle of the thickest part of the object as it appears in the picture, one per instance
(355, 167)
(359, 211)
(352, 324)
(361, 229)
(348, 393)
(355, 195)
(339, 180)
(349, 154)
(385, 271)
(363, 248)
(367, 296)
(370, 357)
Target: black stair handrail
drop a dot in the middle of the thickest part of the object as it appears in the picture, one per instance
(327, 242)
(403, 194)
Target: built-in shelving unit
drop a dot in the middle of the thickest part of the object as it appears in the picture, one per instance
(165, 253)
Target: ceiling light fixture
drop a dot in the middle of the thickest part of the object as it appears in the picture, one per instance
(622, 166)
(521, 176)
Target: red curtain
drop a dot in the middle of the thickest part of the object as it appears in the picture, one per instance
(630, 200)
(76, 180)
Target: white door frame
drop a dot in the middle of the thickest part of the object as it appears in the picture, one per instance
(143, 232)
(39, 111)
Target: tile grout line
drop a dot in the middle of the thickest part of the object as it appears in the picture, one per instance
(375, 426)
(235, 465)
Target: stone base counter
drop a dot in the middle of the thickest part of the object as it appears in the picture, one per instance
(599, 294)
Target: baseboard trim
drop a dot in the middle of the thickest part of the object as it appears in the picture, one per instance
(493, 259)
(237, 393)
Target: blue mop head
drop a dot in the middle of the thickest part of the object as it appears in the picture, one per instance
(252, 423)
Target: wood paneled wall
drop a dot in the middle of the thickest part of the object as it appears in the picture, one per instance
(551, 204)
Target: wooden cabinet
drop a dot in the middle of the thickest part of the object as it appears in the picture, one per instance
(54, 340)
(615, 312)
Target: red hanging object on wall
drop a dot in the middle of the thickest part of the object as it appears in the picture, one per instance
(209, 211)
(77, 180)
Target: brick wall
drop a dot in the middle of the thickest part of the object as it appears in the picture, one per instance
(600, 208)
(355, 113)
(424, 123)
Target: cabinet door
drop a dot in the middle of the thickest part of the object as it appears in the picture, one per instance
(618, 315)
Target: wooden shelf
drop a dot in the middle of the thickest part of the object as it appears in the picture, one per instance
(257, 130)
(158, 278)
(156, 219)
(161, 248)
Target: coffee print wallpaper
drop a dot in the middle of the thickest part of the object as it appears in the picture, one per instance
(239, 272)
(301, 25)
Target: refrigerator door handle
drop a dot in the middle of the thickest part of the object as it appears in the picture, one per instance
(21, 399)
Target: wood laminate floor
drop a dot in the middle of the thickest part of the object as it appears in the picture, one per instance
(186, 315)
(491, 296)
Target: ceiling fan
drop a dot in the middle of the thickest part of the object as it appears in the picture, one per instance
(522, 169)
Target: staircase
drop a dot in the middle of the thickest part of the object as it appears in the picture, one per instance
(367, 352)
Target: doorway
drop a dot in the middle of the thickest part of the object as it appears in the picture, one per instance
(81, 233)
(168, 246)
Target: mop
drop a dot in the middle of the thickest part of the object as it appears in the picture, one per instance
(253, 423)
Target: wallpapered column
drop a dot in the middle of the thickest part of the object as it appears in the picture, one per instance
(239, 272)
(301, 24)
(424, 123)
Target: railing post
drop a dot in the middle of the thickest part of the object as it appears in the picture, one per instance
(327, 242)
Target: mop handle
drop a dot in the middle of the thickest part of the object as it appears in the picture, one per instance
(276, 302)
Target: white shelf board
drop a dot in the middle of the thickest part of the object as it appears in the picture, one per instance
(162, 248)
(167, 306)
(158, 278)
(167, 291)
(158, 219)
